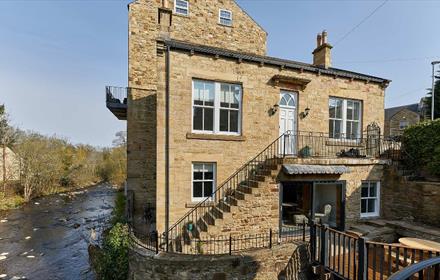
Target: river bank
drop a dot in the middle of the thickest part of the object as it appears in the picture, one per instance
(48, 238)
(16, 201)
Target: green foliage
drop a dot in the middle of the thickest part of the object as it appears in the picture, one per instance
(422, 144)
(113, 165)
(10, 202)
(119, 210)
(112, 262)
(428, 102)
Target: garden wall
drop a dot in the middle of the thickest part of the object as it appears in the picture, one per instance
(411, 201)
(286, 261)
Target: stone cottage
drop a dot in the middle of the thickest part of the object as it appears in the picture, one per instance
(397, 119)
(261, 142)
(10, 165)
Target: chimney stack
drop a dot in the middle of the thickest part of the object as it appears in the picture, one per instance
(322, 53)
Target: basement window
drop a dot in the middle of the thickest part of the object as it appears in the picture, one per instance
(225, 17)
(181, 7)
(203, 180)
(370, 199)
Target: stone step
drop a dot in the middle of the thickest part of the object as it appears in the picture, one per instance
(251, 183)
(217, 212)
(209, 218)
(246, 189)
(240, 195)
(224, 207)
(265, 172)
(258, 178)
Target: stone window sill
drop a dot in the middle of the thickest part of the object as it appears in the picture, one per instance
(194, 204)
(218, 137)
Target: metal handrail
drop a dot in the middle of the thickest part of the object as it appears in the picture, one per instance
(208, 199)
(409, 271)
(116, 95)
(306, 144)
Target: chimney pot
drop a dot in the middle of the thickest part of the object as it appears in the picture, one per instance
(324, 37)
(318, 40)
(322, 53)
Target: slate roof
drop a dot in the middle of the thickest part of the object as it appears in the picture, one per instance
(207, 50)
(390, 112)
(293, 169)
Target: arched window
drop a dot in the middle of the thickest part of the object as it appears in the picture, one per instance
(287, 99)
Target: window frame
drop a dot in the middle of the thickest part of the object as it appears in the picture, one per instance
(187, 8)
(220, 17)
(400, 124)
(344, 119)
(217, 107)
(376, 212)
(214, 180)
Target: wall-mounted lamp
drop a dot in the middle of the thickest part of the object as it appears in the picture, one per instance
(305, 113)
(273, 110)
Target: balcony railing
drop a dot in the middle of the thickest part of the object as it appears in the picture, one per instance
(116, 101)
(322, 145)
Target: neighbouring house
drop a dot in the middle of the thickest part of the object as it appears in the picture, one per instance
(223, 139)
(397, 119)
(10, 165)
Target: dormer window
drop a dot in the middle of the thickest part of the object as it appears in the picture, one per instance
(181, 7)
(225, 17)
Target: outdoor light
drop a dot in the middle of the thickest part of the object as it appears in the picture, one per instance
(274, 109)
(305, 113)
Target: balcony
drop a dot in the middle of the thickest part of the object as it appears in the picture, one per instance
(116, 101)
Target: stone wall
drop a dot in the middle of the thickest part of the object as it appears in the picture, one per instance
(288, 260)
(259, 128)
(202, 27)
(411, 201)
(146, 110)
(392, 126)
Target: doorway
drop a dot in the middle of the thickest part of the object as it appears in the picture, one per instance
(320, 201)
(288, 105)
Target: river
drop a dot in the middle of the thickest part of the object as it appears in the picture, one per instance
(48, 238)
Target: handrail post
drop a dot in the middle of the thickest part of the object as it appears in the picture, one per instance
(304, 230)
(270, 238)
(284, 145)
(156, 237)
(230, 245)
(362, 259)
(312, 240)
(324, 245)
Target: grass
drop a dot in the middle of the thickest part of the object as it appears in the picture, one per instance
(10, 202)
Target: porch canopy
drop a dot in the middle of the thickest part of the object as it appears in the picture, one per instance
(293, 169)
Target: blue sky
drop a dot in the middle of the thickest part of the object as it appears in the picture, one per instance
(57, 56)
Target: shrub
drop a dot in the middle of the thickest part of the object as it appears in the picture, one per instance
(421, 144)
(112, 263)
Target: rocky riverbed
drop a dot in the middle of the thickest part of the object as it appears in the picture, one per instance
(48, 238)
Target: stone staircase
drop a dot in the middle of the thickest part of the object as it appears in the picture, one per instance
(236, 213)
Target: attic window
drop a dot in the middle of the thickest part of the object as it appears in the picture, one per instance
(225, 17)
(181, 7)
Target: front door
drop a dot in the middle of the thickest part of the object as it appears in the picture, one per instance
(288, 122)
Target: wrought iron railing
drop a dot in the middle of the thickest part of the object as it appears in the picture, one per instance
(225, 244)
(116, 95)
(247, 177)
